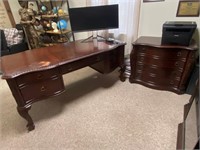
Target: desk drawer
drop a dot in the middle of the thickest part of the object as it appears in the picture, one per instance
(37, 76)
(158, 72)
(156, 80)
(144, 60)
(167, 53)
(42, 89)
(81, 63)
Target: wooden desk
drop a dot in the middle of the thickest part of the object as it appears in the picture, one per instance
(36, 74)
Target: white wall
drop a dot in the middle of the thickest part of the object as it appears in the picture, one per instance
(14, 6)
(154, 14)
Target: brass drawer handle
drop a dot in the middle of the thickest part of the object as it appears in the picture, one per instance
(70, 68)
(180, 69)
(153, 66)
(193, 55)
(171, 82)
(42, 89)
(152, 75)
(178, 78)
(144, 48)
(179, 54)
(39, 76)
(139, 71)
(176, 63)
(142, 59)
(98, 58)
(155, 57)
(140, 67)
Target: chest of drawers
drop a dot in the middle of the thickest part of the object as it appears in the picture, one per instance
(164, 67)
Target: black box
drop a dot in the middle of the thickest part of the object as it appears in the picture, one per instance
(178, 32)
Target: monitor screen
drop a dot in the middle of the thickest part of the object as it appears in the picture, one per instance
(94, 18)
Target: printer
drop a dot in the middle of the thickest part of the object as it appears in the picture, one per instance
(178, 32)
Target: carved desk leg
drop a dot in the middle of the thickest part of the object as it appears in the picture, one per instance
(23, 111)
(121, 63)
(22, 107)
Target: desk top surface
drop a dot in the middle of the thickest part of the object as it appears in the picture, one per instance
(50, 57)
(156, 42)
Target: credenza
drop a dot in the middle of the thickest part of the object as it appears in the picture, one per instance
(163, 67)
(36, 74)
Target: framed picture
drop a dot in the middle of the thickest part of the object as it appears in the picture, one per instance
(189, 8)
(152, 0)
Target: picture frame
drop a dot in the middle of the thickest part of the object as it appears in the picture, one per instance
(188, 8)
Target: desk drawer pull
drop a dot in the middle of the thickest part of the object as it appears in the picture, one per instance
(70, 68)
(98, 58)
(176, 63)
(39, 76)
(42, 89)
(144, 48)
(179, 54)
(141, 59)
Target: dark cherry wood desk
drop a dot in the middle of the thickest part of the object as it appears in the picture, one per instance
(36, 74)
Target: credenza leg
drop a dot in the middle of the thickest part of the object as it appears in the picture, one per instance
(121, 76)
(23, 111)
(130, 79)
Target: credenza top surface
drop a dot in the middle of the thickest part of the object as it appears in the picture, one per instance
(156, 42)
(50, 57)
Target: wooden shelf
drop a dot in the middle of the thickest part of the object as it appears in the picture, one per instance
(52, 32)
(62, 36)
(58, 42)
(55, 16)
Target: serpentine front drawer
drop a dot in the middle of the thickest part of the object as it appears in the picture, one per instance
(167, 53)
(40, 84)
(37, 76)
(43, 89)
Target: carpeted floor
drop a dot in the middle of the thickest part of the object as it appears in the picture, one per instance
(97, 112)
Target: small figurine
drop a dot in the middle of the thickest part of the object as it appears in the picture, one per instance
(62, 24)
(54, 26)
(27, 20)
(55, 10)
(46, 24)
(37, 25)
(60, 12)
(43, 9)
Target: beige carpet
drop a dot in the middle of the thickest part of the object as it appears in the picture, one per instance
(97, 112)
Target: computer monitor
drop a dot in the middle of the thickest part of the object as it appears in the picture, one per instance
(94, 18)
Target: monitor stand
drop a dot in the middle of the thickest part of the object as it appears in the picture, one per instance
(94, 36)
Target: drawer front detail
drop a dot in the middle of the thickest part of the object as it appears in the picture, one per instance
(167, 53)
(43, 89)
(37, 76)
(81, 63)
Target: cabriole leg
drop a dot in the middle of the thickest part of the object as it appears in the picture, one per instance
(23, 111)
